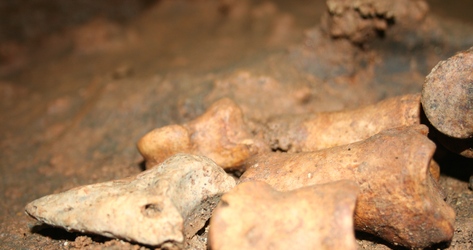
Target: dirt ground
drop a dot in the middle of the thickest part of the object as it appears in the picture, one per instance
(81, 83)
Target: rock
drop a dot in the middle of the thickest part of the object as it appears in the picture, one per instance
(255, 216)
(168, 203)
(364, 20)
(399, 201)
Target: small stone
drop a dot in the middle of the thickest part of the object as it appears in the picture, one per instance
(169, 203)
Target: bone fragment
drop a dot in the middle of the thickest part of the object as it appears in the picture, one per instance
(447, 95)
(399, 201)
(255, 216)
(447, 100)
(304, 133)
(220, 134)
(223, 135)
(168, 203)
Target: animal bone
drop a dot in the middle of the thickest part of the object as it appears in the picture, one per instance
(255, 216)
(220, 134)
(304, 133)
(398, 201)
(447, 100)
(168, 203)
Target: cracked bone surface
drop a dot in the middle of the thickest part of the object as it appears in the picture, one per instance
(220, 134)
(303, 133)
(399, 201)
(168, 203)
(255, 216)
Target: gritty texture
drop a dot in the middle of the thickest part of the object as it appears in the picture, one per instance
(447, 101)
(363, 20)
(168, 203)
(391, 169)
(447, 95)
(255, 216)
(71, 115)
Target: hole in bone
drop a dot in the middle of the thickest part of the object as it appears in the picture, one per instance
(204, 230)
(151, 210)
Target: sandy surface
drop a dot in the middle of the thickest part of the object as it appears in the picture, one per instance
(75, 99)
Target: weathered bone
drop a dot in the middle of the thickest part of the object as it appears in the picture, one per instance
(220, 134)
(168, 203)
(399, 201)
(304, 133)
(255, 216)
(447, 100)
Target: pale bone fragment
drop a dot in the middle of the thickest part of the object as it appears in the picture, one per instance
(255, 216)
(304, 133)
(168, 203)
(399, 201)
(220, 134)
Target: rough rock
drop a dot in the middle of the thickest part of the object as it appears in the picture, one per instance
(166, 204)
(399, 200)
(255, 216)
(361, 21)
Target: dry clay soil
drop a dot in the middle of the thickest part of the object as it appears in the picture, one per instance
(74, 102)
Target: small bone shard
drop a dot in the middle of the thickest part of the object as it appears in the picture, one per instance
(399, 201)
(220, 134)
(305, 133)
(255, 216)
(168, 203)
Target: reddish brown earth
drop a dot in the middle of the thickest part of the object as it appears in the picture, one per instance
(80, 84)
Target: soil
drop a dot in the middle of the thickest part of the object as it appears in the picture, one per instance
(81, 83)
